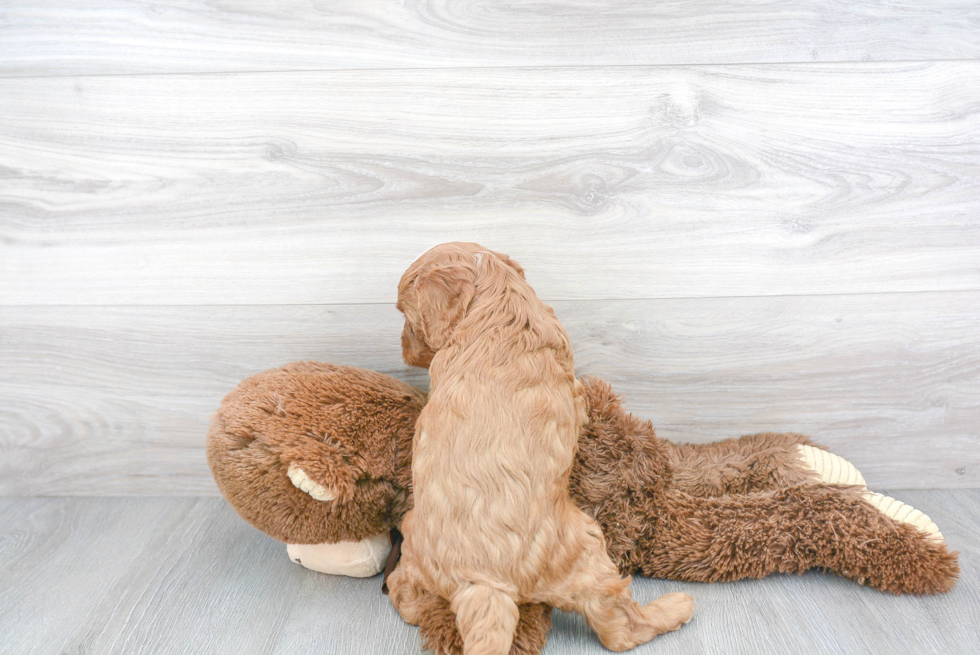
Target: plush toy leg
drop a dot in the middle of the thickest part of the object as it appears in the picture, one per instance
(828, 467)
(358, 559)
(756, 462)
(768, 461)
(899, 511)
(790, 531)
(834, 469)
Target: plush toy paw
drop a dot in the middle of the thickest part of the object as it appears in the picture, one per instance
(357, 559)
(834, 469)
(303, 482)
(830, 468)
(899, 511)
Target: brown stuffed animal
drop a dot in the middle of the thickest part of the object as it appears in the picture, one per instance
(318, 454)
(284, 437)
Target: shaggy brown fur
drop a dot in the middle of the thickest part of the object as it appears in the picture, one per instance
(757, 462)
(349, 429)
(792, 530)
(747, 514)
(756, 511)
(492, 523)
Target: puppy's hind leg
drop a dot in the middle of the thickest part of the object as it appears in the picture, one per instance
(487, 619)
(407, 592)
(597, 591)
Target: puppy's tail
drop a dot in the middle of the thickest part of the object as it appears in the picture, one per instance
(487, 619)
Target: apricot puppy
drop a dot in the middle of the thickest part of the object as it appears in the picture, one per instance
(492, 524)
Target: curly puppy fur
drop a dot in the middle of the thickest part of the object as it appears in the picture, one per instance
(437, 625)
(493, 524)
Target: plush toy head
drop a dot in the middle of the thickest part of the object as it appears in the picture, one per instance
(342, 434)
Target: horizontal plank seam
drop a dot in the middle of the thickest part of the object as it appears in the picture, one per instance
(382, 304)
(472, 68)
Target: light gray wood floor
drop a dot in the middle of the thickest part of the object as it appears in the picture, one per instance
(186, 575)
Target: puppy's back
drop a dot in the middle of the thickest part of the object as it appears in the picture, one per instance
(496, 441)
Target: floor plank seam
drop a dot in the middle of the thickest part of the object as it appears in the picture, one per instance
(842, 62)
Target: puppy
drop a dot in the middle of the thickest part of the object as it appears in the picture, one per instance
(492, 524)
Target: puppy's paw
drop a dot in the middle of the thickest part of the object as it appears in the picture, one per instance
(830, 468)
(899, 511)
(666, 614)
(303, 482)
(677, 609)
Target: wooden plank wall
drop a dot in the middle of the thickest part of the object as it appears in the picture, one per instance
(749, 216)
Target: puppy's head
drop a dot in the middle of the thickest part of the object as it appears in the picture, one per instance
(437, 291)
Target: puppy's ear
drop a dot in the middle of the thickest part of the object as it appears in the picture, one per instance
(510, 262)
(444, 296)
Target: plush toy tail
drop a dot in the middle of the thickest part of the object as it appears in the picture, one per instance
(792, 530)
